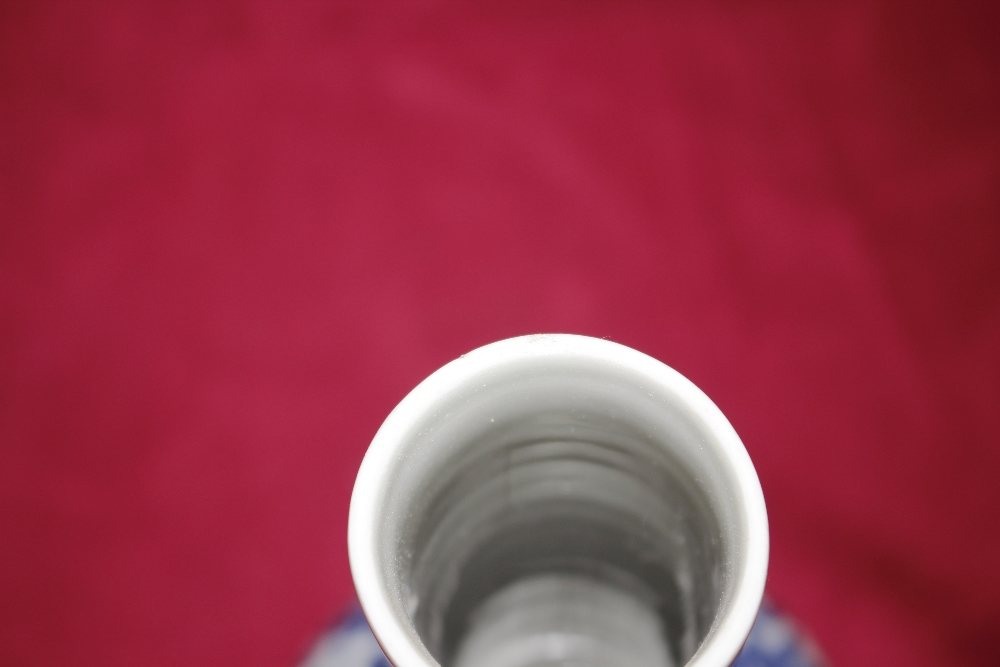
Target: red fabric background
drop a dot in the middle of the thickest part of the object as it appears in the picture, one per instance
(232, 237)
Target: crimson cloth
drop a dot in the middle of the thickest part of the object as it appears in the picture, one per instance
(232, 237)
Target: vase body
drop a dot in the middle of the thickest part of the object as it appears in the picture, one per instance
(554, 500)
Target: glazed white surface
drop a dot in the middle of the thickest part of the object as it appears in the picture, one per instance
(571, 428)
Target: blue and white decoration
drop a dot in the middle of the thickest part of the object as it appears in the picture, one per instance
(350, 644)
(776, 642)
(773, 642)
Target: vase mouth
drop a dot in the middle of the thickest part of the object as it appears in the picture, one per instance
(557, 455)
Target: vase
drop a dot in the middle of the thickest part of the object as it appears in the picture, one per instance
(558, 500)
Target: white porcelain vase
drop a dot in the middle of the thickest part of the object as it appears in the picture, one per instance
(558, 500)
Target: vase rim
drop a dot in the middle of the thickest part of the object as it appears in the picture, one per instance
(401, 645)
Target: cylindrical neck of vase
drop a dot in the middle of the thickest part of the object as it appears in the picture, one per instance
(558, 499)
